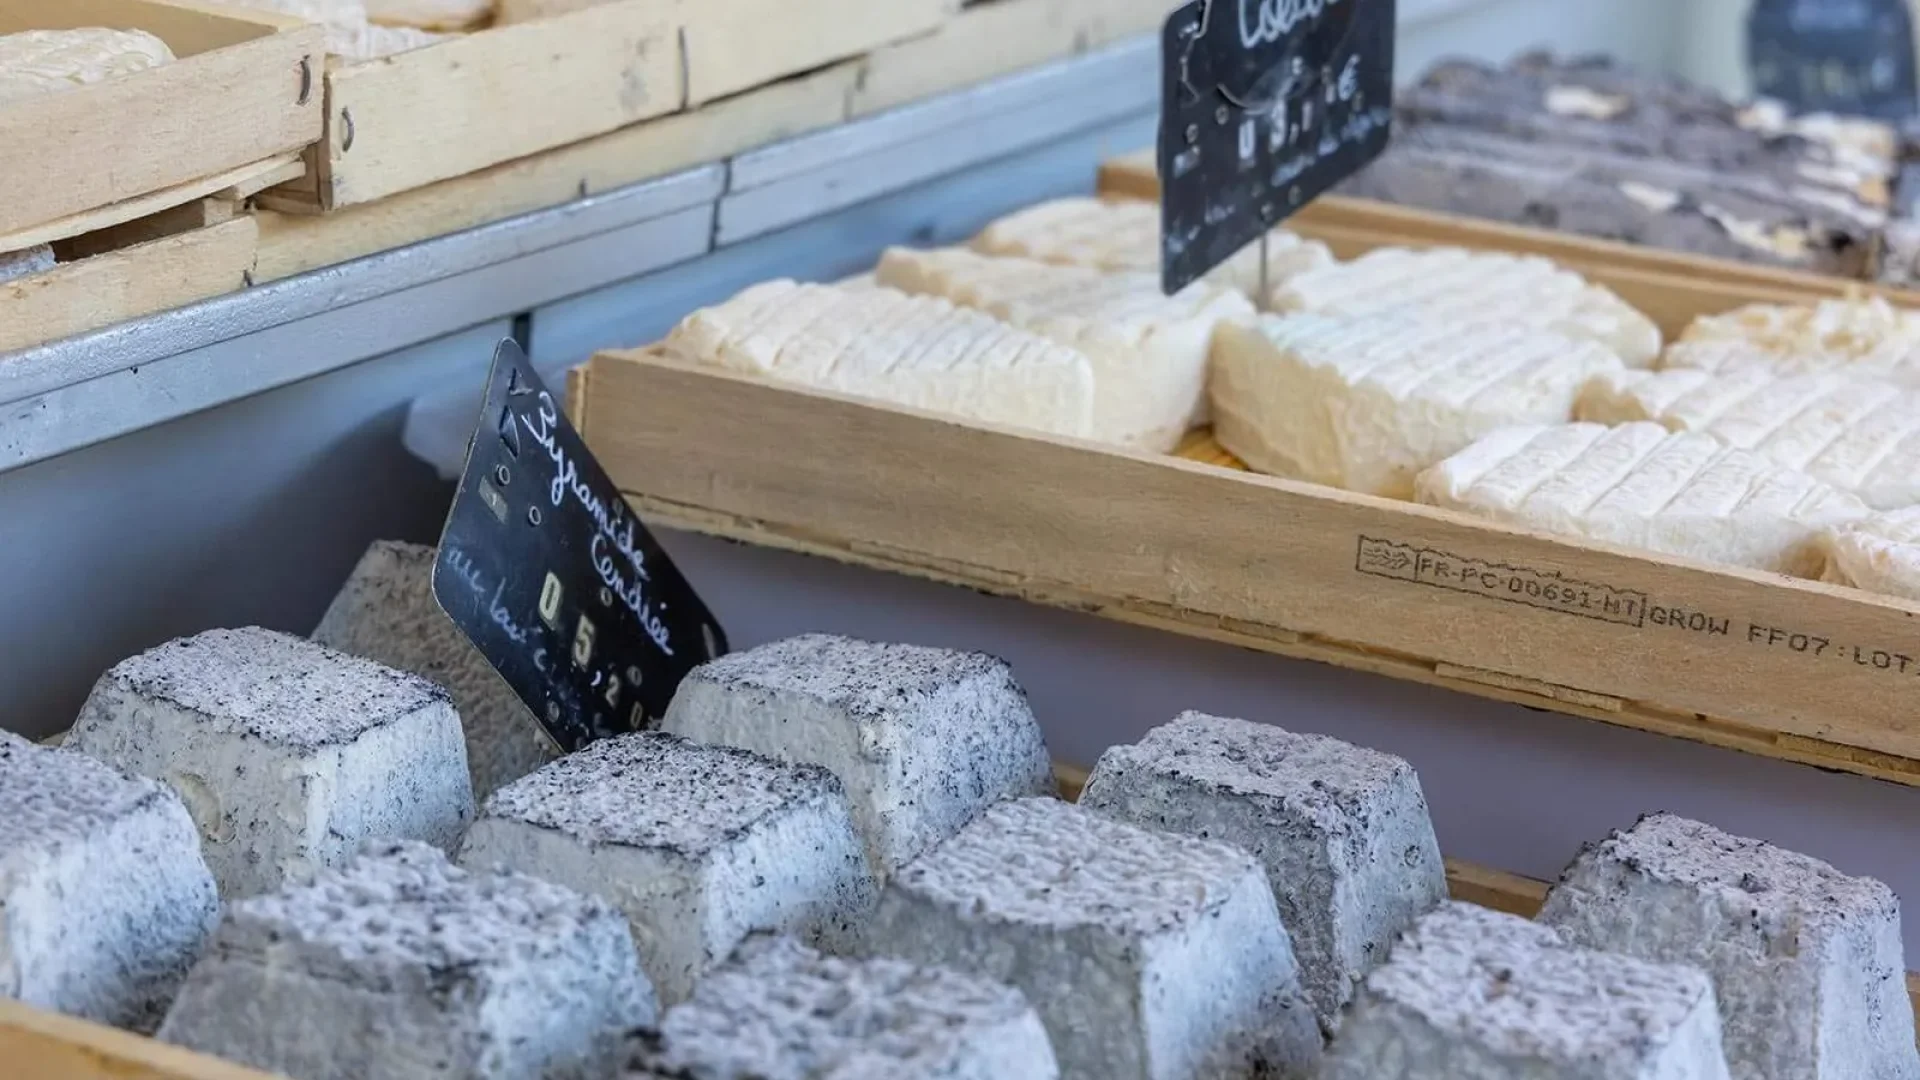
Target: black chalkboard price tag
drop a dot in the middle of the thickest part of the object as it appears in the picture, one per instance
(1265, 104)
(544, 567)
(1842, 56)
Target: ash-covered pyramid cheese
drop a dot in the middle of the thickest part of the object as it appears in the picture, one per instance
(1148, 956)
(1149, 351)
(1475, 993)
(1860, 338)
(37, 62)
(1806, 961)
(1642, 486)
(922, 739)
(699, 846)
(1880, 554)
(1451, 286)
(917, 351)
(1367, 402)
(1859, 436)
(399, 964)
(386, 613)
(104, 898)
(781, 1011)
(1124, 235)
(289, 755)
(1342, 831)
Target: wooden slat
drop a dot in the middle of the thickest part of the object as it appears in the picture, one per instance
(145, 206)
(233, 98)
(37, 1045)
(1793, 670)
(294, 243)
(735, 45)
(114, 287)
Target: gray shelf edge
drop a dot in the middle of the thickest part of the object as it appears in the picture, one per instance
(67, 395)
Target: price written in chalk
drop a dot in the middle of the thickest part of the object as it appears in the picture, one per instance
(1265, 105)
(544, 567)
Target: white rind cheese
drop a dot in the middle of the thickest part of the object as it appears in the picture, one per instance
(1858, 338)
(37, 62)
(1149, 351)
(439, 15)
(20, 264)
(1453, 286)
(1880, 554)
(1862, 437)
(1365, 404)
(1125, 235)
(916, 351)
(1640, 485)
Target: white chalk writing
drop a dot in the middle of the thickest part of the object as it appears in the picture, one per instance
(1274, 19)
(632, 593)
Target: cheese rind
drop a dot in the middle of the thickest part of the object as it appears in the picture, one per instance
(1149, 351)
(1366, 403)
(1124, 235)
(1880, 555)
(918, 351)
(1453, 286)
(1860, 437)
(1642, 486)
(36, 62)
(1858, 338)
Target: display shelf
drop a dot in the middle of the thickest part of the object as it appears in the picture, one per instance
(241, 94)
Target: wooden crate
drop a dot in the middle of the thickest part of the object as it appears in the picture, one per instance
(1783, 668)
(499, 95)
(243, 95)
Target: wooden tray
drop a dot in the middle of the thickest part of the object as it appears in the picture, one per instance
(498, 95)
(1783, 668)
(42, 1046)
(243, 94)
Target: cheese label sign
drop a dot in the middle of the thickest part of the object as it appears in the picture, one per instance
(1841, 56)
(546, 570)
(1265, 104)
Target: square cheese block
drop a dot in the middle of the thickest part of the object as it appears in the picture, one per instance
(1861, 437)
(1861, 338)
(699, 846)
(1149, 351)
(922, 739)
(289, 755)
(1342, 832)
(1880, 554)
(1641, 486)
(37, 62)
(20, 264)
(1124, 235)
(386, 613)
(781, 1011)
(1457, 288)
(918, 351)
(400, 965)
(1149, 956)
(1475, 993)
(105, 901)
(1366, 403)
(1807, 962)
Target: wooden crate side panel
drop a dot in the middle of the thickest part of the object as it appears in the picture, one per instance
(735, 45)
(1794, 659)
(144, 206)
(79, 297)
(997, 38)
(455, 108)
(295, 243)
(128, 137)
(39, 1045)
(188, 28)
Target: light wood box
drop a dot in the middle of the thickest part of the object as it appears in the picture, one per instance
(243, 95)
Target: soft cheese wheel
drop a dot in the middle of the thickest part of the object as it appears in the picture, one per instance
(1149, 350)
(917, 351)
(1367, 403)
(441, 15)
(1859, 338)
(37, 62)
(1862, 437)
(1642, 486)
(1880, 554)
(1125, 235)
(1448, 285)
